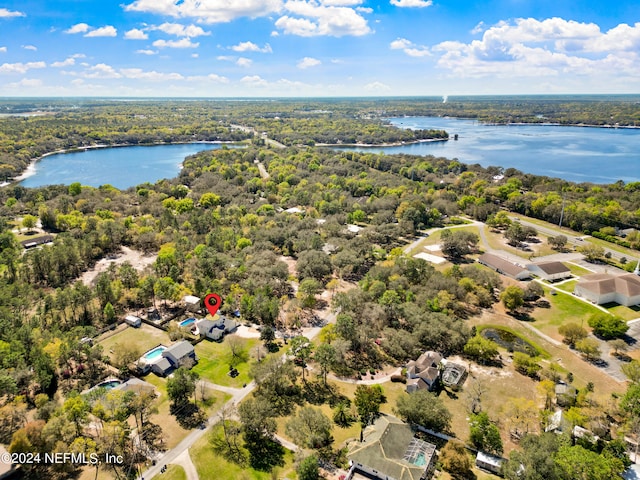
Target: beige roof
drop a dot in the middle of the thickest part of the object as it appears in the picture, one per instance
(499, 263)
(603, 283)
(386, 445)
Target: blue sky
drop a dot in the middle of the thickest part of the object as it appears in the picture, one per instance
(230, 48)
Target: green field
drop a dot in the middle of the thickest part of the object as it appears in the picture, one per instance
(564, 308)
(144, 338)
(174, 472)
(214, 359)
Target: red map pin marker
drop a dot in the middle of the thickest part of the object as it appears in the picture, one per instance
(212, 303)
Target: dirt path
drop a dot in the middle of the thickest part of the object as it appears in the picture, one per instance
(137, 259)
(184, 460)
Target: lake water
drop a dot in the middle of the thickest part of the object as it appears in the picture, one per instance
(122, 167)
(579, 154)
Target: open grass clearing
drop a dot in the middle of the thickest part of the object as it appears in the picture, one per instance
(215, 358)
(567, 286)
(144, 338)
(628, 313)
(210, 465)
(577, 270)
(564, 308)
(583, 372)
(174, 472)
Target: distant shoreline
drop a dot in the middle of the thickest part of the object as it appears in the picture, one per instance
(31, 168)
(542, 124)
(382, 145)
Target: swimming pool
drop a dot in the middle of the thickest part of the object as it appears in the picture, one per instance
(155, 353)
(187, 322)
(109, 384)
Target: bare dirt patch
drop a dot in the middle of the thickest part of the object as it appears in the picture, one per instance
(137, 259)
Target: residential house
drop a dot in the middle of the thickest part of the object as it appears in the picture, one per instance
(603, 288)
(558, 423)
(565, 394)
(180, 353)
(504, 266)
(390, 451)
(550, 271)
(216, 329)
(424, 372)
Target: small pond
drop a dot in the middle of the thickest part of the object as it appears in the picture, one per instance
(508, 340)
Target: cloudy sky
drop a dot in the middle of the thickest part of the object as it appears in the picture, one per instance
(231, 48)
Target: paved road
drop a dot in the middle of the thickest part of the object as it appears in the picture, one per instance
(175, 455)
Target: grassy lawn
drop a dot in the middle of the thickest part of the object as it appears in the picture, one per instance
(173, 433)
(628, 252)
(628, 313)
(215, 358)
(144, 338)
(577, 270)
(567, 286)
(564, 308)
(211, 465)
(174, 472)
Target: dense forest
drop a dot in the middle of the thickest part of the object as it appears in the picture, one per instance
(222, 225)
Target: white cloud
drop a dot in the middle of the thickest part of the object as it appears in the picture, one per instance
(78, 28)
(194, 55)
(101, 70)
(26, 82)
(207, 11)
(65, 63)
(307, 62)
(147, 52)
(410, 48)
(275, 33)
(321, 20)
(4, 13)
(251, 47)
(106, 31)
(225, 58)
(181, 31)
(244, 62)
(478, 28)
(135, 34)
(529, 47)
(412, 3)
(211, 78)
(182, 43)
(20, 67)
(254, 81)
(30, 47)
(139, 74)
(3, 49)
(377, 87)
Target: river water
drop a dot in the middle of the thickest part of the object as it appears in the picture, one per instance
(579, 154)
(122, 167)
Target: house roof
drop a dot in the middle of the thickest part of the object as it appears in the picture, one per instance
(502, 264)
(179, 350)
(205, 325)
(136, 385)
(603, 283)
(191, 299)
(489, 459)
(390, 448)
(162, 364)
(551, 268)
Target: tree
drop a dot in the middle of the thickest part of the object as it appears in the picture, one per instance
(533, 291)
(481, 349)
(536, 460)
(593, 253)
(572, 333)
(607, 326)
(257, 417)
(577, 463)
(301, 349)
(181, 385)
(425, 409)
(455, 460)
(521, 416)
(308, 469)
(512, 298)
(558, 242)
(589, 348)
(310, 428)
(458, 243)
(313, 264)
(307, 291)
(368, 400)
(267, 335)
(29, 222)
(632, 370)
(525, 364)
(341, 415)
(618, 345)
(109, 313)
(484, 434)
(325, 356)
